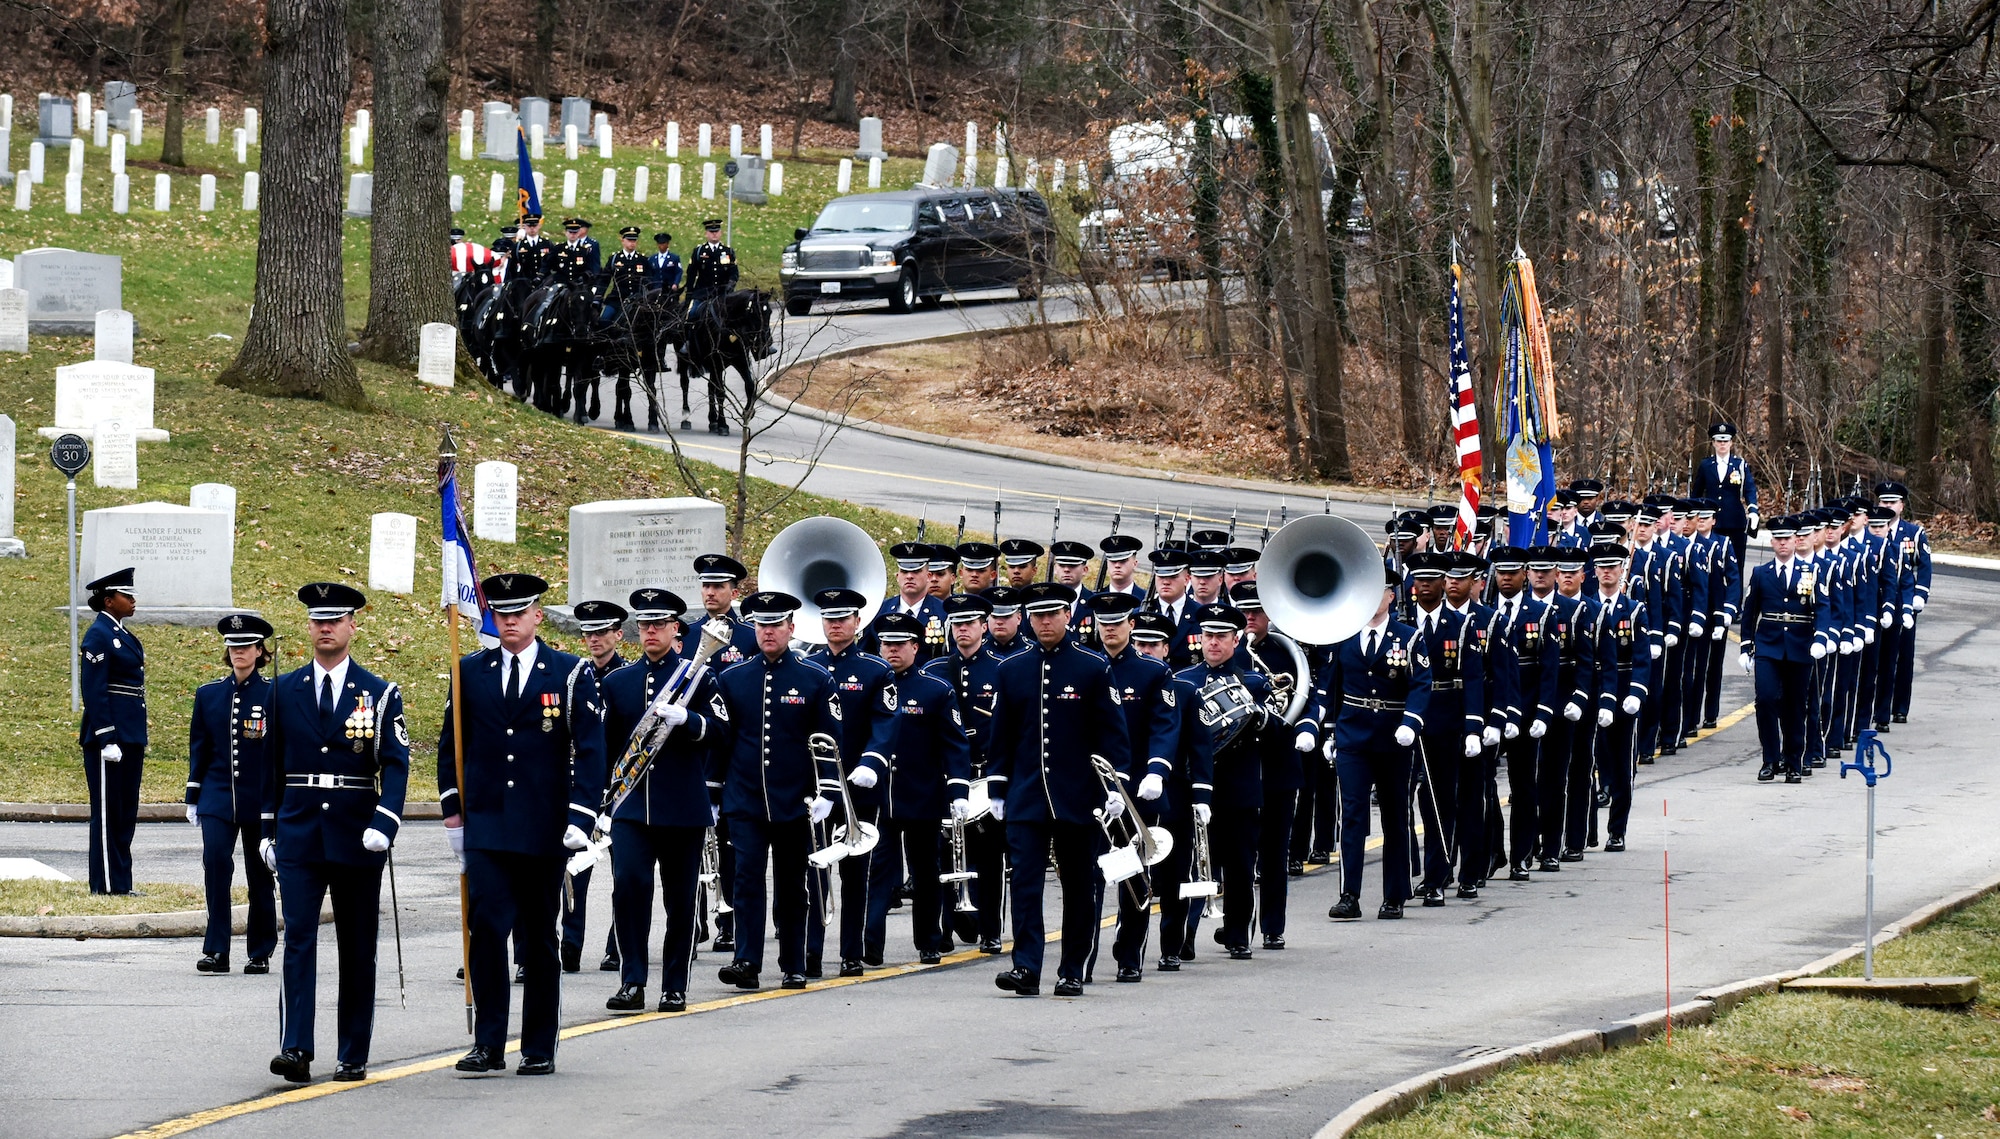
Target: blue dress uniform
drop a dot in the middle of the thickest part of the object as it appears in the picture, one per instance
(929, 612)
(338, 764)
(113, 676)
(1656, 583)
(975, 679)
(1912, 549)
(592, 617)
(1699, 560)
(1787, 625)
(921, 770)
(1188, 802)
(1863, 584)
(1238, 799)
(1375, 685)
(578, 261)
(771, 776)
(1888, 587)
(225, 788)
(1897, 591)
(1734, 489)
(534, 778)
(1626, 652)
(663, 269)
(742, 638)
(1452, 803)
(1054, 707)
(1527, 625)
(534, 258)
(1283, 775)
(663, 824)
(1503, 710)
(859, 679)
(1563, 768)
(1153, 728)
(1725, 589)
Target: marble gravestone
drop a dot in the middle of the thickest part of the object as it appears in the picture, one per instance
(534, 113)
(114, 459)
(183, 557)
(392, 553)
(748, 185)
(495, 495)
(114, 336)
(618, 545)
(10, 546)
(67, 289)
(576, 113)
(360, 195)
(499, 131)
(120, 97)
(940, 164)
(13, 320)
(219, 497)
(57, 121)
(437, 354)
(102, 389)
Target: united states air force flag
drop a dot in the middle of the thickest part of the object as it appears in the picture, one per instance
(461, 580)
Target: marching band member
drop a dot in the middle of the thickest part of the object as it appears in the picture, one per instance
(1238, 764)
(1283, 766)
(602, 626)
(1627, 645)
(973, 671)
(1152, 727)
(1452, 800)
(1185, 805)
(861, 679)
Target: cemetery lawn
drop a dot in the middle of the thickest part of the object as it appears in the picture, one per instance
(1780, 1065)
(309, 476)
(35, 898)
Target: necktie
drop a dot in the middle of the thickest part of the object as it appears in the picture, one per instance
(1368, 647)
(326, 696)
(513, 678)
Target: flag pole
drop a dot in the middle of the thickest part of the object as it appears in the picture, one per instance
(447, 467)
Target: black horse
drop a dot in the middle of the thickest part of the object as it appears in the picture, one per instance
(489, 321)
(635, 344)
(724, 334)
(558, 335)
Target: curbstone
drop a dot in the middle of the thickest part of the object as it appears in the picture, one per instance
(171, 923)
(1727, 997)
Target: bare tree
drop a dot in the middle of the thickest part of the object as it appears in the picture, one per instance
(409, 278)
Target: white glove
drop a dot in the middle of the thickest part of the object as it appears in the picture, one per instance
(714, 815)
(1745, 661)
(674, 715)
(1572, 711)
(1718, 632)
(1114, 806)
(1868, 634)
(269, 849)
(1152, 787)
(1604, 717)
(1849, 647)
(1471, 746)
(456, 836)
(574, 838)
(1887, 620)
(1657, 650)
(192, 820)
(112, 753)
(1752, 519)
(1538, 729)
(1695, 630)
(1327, 749)
(1303, 742)
(1405, 737)
(1909, 622)
(1511, 731)
(862, 777)
(959, 809)
(819, 807)
(374, 841)
(1673, 639)
(1818, 651)
(1202, 813)
(999, 810)
(1490, 737)
(1631, 705)
(1918, 602)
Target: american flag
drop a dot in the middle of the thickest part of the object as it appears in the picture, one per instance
(1464, 416)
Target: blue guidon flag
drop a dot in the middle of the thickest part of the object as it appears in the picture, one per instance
(529, 199)
(460, 573)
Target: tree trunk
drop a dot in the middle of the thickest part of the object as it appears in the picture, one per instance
(409, 277)
(1207, 212)
(296, 344)
(1702, 122)
(841, 105)
(541, 64)
(1779, 440)
(1926, 462)
(1738, 235)
(1978, 355)
(1485, 243)
(172, 151)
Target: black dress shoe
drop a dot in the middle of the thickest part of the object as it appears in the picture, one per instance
(1900, 718)
(572, 958)
(1219, 938)
(1432, 897)
(1668, 749)
(1603, 799)
(257, 965)
(1390, 911)
(989, 945)
(1468, 893)
(1570, 856)
(815, 968)
(1170, 965)
(1323, 857)
(1239, 953)
(929, 957)
(1708, 725)
(792, 981)
(1068, 987)
(724, 943)
(520, 974)
(1881, 727)
(1274, 942)
(482, 1059)
(212, 963)
(1020, 982)
(295, 1064)
(874, 959)
(673, 1002)
(609, 964)
(1348, 908)
(350, 1073)
(946, 944)
(1766, 773)
(1646, 761)
(738, 973)
(1794, 777)
(536, 1066)
(1614, 844)
(1129, 975)
(1295, 869)
(849, 967)
(1549, 866)
(1520, 874)
(628, 999)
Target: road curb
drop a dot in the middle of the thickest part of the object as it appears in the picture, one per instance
(148, 812)
(1400, 1099)
(172, 923)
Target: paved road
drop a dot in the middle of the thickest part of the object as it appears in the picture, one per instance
(101, 1037)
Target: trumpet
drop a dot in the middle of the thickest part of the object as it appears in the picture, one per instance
(958, 876)
(852, 838)
(1138, 846)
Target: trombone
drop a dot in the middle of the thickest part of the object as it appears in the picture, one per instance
(852, 838)
(1201, 869)
(1135, 846)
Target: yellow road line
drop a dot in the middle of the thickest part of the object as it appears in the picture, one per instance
(305, 1093)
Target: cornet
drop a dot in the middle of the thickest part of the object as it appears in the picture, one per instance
(958, 875)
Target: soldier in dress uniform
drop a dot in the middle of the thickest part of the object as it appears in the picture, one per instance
(1725, 477)
(860, 679)
(1528, 626)
(663, 823)
(1406, 533)
(1786, 628)
(1589, 495)
(1451, 801)
(534, 257)
(337, 765)
(776, 785)
(663, 265)
(1054, 708)
(1555, 576)
(533, 752)
(1170, 598)
(225, 789)
(1239, 565)
(602, 625)
(113, 730)
(1121, 564)
(976, 566)
(1021, 557)
(1887, 589)
(1068, 560)
(1910, 547)
(1369, 704)
(711, 270)
(624, 274)
(972, 668)
(1185, 805)
(1152, 728)
(943, 570)
(720, 578)
(1627, 647)
(919, 764)
(1205, 578)
(576, 261)
(1284, 770)
(1003, 623)
(913, 597)
(1464, 573)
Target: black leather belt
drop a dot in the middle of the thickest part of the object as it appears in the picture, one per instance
(330, 782)
(1371, 704)
(1446, 685)
(1787, 618)
(125, 690)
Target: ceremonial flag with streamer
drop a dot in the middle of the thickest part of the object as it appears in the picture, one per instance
(1464, 417)
(1526, 396)
(528, 197)
(461, 579)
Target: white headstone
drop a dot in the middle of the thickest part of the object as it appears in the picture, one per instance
(499, 131)
(538, 138)
(364, 121)
(569, 188)
(136, 126)
(673, 139)
(72, 193)
(182, 556)
(100, 128)
(603, 139)
(617, 546)
(437, 354)
(1034, 175)
(114, 336)
(114, 458)
(764, 142)
(83, 111)
(360, 195)
(457, 192)
(207, 201)
(844, 181)
(570, 135)
(776, 182)
(6, 113)
(10, 546)
(708, 179)
(76, 149)
(641, 183)
(219, 497)
(392, 553)
(6, 273)
(941, 164)
(121, 193)
(357, 142)
(541, 186)
(66, 289)
(607, 188)
(163, 193)
(250, 122)
(972, 154)
(240, 140)
(1056, 176)
(702, 140)
(1000, 171)
(103, 389)
(673, 181)
(465, 136)
(37, 162)
(496, 191)
(212, 126)
(118, 154)
(871, 139)
(13, 320)
(874, 173)
(495, 491)
(735, 140)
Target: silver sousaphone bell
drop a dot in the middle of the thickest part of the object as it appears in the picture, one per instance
(822, 553)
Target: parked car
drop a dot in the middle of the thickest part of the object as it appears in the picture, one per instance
(911, 247)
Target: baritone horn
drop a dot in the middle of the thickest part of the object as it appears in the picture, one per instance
(1320, 579)
(822, 553)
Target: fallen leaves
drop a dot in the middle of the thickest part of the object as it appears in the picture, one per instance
(1796, 1113)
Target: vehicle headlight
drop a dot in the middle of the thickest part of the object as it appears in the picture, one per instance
(884, 258)
(790, 259)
